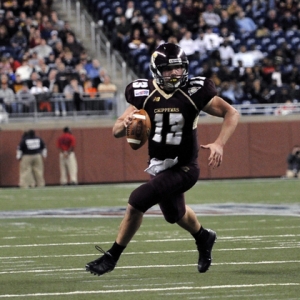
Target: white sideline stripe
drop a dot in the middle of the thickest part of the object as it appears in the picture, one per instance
(225, 238)
(155, 266)
(182, 288)
(151, 252)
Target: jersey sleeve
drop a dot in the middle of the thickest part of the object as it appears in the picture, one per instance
(137, 91)
(205, 90)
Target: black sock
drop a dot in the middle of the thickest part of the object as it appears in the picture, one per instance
(116, 251)
(201, 235)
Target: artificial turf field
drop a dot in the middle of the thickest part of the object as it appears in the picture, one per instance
(48, 235)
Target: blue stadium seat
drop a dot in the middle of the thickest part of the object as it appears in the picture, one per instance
(272, 47)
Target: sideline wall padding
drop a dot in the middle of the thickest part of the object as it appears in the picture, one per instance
(257, 149)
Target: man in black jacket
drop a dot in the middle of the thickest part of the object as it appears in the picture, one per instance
(30, 152)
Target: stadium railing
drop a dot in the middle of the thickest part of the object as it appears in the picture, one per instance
(94, 106)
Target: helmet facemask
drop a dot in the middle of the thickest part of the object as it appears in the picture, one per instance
(172, 82)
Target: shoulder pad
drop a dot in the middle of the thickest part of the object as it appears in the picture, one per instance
(196, 81)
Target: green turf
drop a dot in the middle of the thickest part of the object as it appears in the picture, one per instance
(255, 257)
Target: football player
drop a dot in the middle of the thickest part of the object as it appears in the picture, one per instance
(173, 103)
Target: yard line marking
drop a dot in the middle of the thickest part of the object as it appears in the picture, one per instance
(152, 252)
(153, 266)
(151, 290)
(220, 238)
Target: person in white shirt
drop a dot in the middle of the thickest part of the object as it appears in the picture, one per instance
(24, 70)
(246, 57)
(199, 44)
(43, 50)
(42, 96)
(211, 40)
(226, 53)
(188, 45)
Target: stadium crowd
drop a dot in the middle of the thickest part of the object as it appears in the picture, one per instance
(251, 49)
(43, 65)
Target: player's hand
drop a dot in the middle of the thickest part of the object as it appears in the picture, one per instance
(128, 119)
(216, 154)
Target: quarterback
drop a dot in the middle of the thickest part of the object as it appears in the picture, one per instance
(173, 103)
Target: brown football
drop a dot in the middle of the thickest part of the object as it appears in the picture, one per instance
(138, 131)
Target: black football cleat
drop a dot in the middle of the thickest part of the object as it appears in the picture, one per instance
(102, 265)
(204, 250)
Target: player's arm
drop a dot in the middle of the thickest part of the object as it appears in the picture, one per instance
(119, 128)
(220, 108)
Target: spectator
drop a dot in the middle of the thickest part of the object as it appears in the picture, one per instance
(244, 56)
(19, 44)
(227, 92)
(67, 159)
(211, 40)
(226, 53)
(62, 78)
(51, 79)
(190, 13)
(200, 44)
(33, 59)
(288, 20)
(108, 91)
(53, 38)
(136, 43)
(42, 69)
(57, 24)
(14, 63)
(69, 61)
(34, 38)
(233, 9)
(227, 21)
(256, 53)
(271, 19)
(163, 15)
(44, 7)
(62, 33)
(177, 15)
(226, 35)
(121, 34)
(30, 7)
(59, 101)
(46, 28)
(34, 76)
(24, 70)
(11, 26)
(73, 93)
(17, 84)
(8, 96)
(50, 61)
(90, 95)
(26, 100)
(43, 50)
(245, 24)
(58, 50)
(30, 153)
(4, 38)
(42, 96)
(188, 45)
(93, 68)
(100, 78)
(130, 7)
(211, 18)
(73, 45)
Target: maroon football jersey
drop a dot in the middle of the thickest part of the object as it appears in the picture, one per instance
(174, 116)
